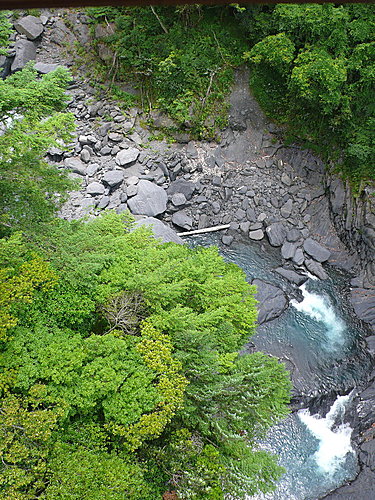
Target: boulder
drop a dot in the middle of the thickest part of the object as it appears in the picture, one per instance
(298, 257)
(316, 269)
(25, 52)
(126, 156)
(150, 199)
(95, 188)
(288, 250)
(113, 178)
(76, 165)
(180, 186)
(362, 488)
(276, 233)
(272, 301)
(256, 235)
(160, 230)
(316, 250)
(292, 276)
(30, 26)
(182, 219)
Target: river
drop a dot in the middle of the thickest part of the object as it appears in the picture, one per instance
(321, 343)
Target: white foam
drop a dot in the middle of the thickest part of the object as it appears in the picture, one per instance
(319, 308)
(334, 444)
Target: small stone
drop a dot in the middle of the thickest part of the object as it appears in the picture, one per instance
(113, 136)
(288, 250)
(132, 180)
(286, 209)
(293, 235)
(216, 180)
(227, 239)
(85, 156)
(285, 179)
(76, 165)
(95, 188)
(245, 226)
(215, 207)
(105, 151)
(132, 190)
(178, 199)
(92, 169)
(256, 235)
(121, 208)
(298, 257)
(262, 217)
(123, 197)
(103, 202)
(240, 214)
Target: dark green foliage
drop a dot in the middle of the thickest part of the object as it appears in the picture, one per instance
(182, 60)
(5, 31)
(325, 92)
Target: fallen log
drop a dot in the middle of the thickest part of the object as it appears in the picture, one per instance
(205, 230)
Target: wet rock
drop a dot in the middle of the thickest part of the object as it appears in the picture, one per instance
(182, 219)
(95, 188)
(25, 52)
(113, 178)
(127, 156)
(316, 250)
(362, 488)
(160, 230)
(276, 233)
(227, 239)
(150, 200)
(316, 269)
(30, 26)
(272, 301)
(292, 276)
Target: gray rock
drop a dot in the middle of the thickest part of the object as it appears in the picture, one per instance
(182, 219)
(227, 239)
(126, 156)
(75, 165)
(285, 179)
(316, 269)
(25, 52)
(288, 250)
(105, 151)
(132, 190)
(276, 233)
(87, 204)
(245, 226)
(103, 202)
(316, 250)
(178, 199)
(256, 235)
(181, 186)
(113, 178)
(160, 230)
(286, 209)
(363, 302)
(85, 155)
(132, 180)
(293, 235)
(251, 215)
(367, 453)
(215, 207)
(95, 188)
(30, 26)
(115, 137)
(370, 341)
(121, 208)
(92, 169)
(45, 68)
(272, 301)
(298, 257)
(150, 200)
(292, 276)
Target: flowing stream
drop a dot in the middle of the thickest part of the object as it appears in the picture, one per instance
(321, 344)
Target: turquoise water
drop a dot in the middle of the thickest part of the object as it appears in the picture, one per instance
(321, 343)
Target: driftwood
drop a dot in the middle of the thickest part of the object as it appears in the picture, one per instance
(205, 230)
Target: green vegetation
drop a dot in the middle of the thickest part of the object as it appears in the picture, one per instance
(181, 58)
(120, 369)
(312, 69)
